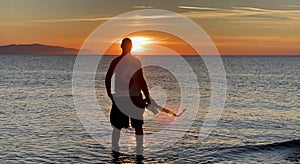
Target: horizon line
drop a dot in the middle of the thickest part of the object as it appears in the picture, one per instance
(93, 53)
(225, 55)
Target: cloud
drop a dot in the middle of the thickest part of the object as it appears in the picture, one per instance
(240, 13)
(270, 13)
(135, 17)
(291, 6)
(250, 9)
(199, 12)
(199, 8)
(72, 20)
(142, 7)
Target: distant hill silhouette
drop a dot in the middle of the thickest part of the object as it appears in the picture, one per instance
(38, 49)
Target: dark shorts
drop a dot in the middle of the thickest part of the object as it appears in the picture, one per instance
(119, 120)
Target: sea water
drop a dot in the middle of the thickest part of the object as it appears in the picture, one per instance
(260, 121)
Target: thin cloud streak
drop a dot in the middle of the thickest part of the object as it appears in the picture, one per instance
(292, 6)
(197, 12)
(251, 9)
(72, 20)
(136, 17)
(199, 8)
(142, 7)
(240, 13)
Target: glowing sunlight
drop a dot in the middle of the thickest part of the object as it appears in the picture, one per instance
(139, 43)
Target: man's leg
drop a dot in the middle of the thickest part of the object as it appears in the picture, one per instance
(139, 139)
(115, 137)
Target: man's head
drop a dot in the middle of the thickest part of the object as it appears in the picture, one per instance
(126, 45)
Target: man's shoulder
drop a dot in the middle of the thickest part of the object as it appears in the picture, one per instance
(127, 59)
(135, 59)
(115, 60)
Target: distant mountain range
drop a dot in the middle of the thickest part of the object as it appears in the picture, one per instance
(38, 49)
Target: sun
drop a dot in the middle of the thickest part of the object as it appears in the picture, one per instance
(139, 43)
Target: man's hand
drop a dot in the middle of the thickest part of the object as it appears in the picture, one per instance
(148, 101)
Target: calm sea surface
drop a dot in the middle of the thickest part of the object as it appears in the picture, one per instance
(260, 121)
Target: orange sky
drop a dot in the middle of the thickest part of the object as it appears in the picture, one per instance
(267, 27)
(145, 40)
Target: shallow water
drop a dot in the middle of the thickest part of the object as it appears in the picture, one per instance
(260, 122)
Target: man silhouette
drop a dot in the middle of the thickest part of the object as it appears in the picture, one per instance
(127, 102)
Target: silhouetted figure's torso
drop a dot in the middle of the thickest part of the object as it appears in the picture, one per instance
(129, 80)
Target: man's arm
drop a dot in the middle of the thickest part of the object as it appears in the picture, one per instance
(143, 85)
(108, 79)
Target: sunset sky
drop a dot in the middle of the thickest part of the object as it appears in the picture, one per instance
(237, 27)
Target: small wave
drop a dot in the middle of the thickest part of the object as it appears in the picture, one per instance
(281, 151)
(272, 146)
(287, 144)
